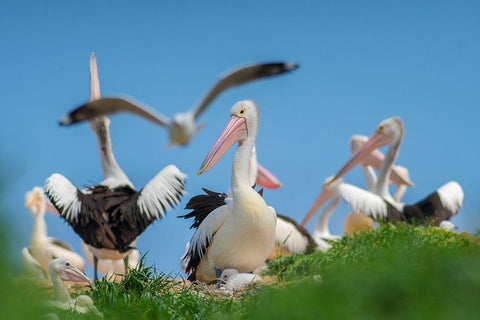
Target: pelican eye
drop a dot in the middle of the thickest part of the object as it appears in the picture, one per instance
(67, 264)
(380, 129)
(241, 112)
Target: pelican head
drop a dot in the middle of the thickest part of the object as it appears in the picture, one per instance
(242, 125)
(35, 200)
(389, 131)
(328, 191)
(398, 176)
(227, 274)
(66, 271)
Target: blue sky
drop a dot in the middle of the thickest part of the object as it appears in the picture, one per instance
(360, 63)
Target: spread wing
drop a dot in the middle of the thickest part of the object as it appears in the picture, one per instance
(106, 106)
(81, 211)
(241, 76)
(161, 193)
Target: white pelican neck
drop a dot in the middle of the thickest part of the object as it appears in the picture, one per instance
(321, 228)
(370, 177)
(381, 188)
(60, 291)
(110, 168)
(241, 165)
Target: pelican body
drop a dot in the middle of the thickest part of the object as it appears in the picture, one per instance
(240, 233)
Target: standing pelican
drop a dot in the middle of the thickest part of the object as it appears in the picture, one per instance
(44, 249)
(441, 205)
(239, 233)
(183, 126)
(62, 270)
(354, 221)
(110, 216)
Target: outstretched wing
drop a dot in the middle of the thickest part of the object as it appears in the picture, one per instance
(81, 211)
(440, 205)
(106, 106)
(369, 203)
(151, 203)
(209, 212)
(161, 193)
(241, 76)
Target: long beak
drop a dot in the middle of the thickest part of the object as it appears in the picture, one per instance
(266, 179)
(375, 141)
(72, 273)
(397, 177)
(50, 208)
(324, 196)
(235, 130)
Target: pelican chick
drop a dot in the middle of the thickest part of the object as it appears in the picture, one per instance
(62, 270)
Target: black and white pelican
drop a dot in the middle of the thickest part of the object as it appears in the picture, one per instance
(43, 248)
(440, 205)
(240, 233)
(63, 270)
(183, 126)
(110, 216)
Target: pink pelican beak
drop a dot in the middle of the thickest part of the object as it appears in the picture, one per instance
(376, 140)
(266, 179)
(397, 177)
(235, 130)
(50, 208)
(72, 273)
(321, 199)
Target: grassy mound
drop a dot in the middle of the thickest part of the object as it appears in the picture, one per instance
(393, 272)
(390, 273)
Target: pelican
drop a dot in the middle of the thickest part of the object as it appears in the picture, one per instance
(440, 205)
(184, 125)
(238, 233)
(354, 221)
(236, 280)
(110, 216)
(62, 270)
(44, 249)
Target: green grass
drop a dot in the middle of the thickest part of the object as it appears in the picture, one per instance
(390, 273)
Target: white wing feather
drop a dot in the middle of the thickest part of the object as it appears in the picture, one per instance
(205, 231)
(162, 192)
(61, 191)
(451, 195)
(363, 201)
(288, 237)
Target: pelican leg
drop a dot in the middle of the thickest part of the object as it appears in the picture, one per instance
(218, 273)
(95, 262)
(125, 261)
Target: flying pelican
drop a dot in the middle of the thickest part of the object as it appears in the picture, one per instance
(62, 270)
(184, 125)
(44, 249)
(240, 233)
(441, 205)
(110, 216)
